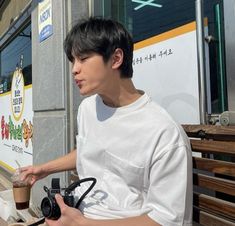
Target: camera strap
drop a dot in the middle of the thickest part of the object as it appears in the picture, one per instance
(78, 183)
(56, 184)
(40, 221)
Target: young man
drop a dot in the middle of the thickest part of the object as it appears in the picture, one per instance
(140, 157)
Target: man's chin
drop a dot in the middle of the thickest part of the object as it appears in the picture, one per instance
(86, 93)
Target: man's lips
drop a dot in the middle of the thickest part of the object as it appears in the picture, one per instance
(78, 82)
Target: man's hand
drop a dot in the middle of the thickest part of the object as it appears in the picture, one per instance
(32, 174)
(69, 216)
(73, 217)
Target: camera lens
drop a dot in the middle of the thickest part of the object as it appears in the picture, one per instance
(46, 207)
(50, 208)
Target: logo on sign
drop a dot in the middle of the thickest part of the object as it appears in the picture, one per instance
(17, 94)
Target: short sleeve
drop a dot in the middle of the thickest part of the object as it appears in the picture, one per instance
(170, 191)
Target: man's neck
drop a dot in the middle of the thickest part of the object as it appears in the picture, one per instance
(121, 94)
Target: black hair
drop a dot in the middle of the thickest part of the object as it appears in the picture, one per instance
(101, 36)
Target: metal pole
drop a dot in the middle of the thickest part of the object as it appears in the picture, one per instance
(201, 60)
(223, 103)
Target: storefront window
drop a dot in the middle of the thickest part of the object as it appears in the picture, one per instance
(145, 19)
(16, 54)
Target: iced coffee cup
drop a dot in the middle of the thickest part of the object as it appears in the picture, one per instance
(21, 191)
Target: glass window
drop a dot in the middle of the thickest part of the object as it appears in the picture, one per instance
(145, 19)
(10, 58)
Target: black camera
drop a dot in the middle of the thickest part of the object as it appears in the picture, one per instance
(50, 208)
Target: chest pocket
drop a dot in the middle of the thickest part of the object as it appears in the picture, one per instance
(123, 181)
(90, 158)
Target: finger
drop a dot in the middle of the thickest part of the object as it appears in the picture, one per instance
(50, 222)
(23, 176)
(32, 181)
(26, 177)
(60, 201)
(24, 168)
(25, 173)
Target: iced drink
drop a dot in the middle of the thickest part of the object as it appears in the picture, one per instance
(21, 191)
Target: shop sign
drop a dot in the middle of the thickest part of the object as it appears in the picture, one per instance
(16, 125)
(166, 67)
(45, 19)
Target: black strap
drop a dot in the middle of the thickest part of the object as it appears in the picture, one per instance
(40, 221)
(87, 191)
(56, 185)
(78, 183)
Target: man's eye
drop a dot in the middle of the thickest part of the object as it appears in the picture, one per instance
(83, 58)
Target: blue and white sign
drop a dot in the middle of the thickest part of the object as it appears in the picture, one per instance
(45, 26)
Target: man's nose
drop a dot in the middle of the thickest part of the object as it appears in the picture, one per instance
(76, 68)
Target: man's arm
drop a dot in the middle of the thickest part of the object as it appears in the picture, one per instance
(64, 163)
(35, 173)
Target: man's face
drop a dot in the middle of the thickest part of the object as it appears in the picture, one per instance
(91, 74)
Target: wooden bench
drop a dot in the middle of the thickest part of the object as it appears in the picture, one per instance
(213, 174)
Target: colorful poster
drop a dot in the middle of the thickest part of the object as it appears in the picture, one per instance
(45, 27)
(166, 67)
(16, 116)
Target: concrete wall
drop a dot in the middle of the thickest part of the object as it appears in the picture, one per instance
(10, 10)
(55, 97)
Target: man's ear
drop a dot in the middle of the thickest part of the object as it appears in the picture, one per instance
(117, 58)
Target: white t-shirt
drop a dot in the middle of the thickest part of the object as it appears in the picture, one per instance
(141, 159)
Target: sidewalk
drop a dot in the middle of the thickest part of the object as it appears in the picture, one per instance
(2, 188)
(5, 182)
(11, 215)
(6, 202)
(27, 215)
(2, 222)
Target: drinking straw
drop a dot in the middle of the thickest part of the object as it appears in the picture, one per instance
(18, 164)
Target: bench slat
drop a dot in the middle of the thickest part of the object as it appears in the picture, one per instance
(214, 183)
(213, 147)
(209, 219)
(217, 141)
(211, 132)
(214, 166)
(215, 206)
